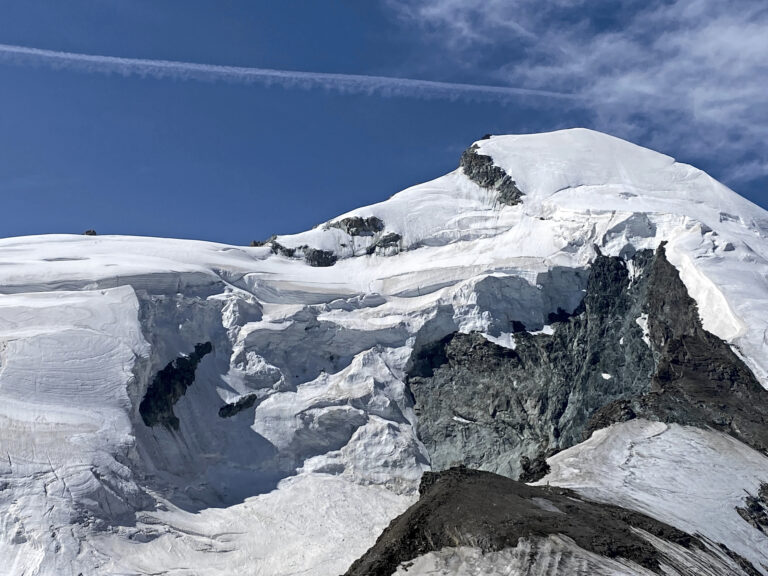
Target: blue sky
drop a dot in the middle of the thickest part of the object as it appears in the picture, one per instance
(203, 155)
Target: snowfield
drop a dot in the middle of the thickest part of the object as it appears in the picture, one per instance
(320, 449)
(690, 478)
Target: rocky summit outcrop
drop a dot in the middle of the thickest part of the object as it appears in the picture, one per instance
(480, 510)
(481, 169)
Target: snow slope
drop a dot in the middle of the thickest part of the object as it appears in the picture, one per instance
(690, 478)
(316, 354)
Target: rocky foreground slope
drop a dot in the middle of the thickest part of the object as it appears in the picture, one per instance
(564, 309)
(469, 521)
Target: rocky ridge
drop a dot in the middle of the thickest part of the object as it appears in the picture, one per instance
(633, 348)
(480, 510)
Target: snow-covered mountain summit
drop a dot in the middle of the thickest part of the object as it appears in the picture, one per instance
(186, 407)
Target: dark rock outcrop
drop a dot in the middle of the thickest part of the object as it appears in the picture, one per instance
(359, 226)
(278, 248)
(386, 242)
(481, 170)
(463, 507)
(90, 232)
(756, 509)
(229, 410)
(533, 469)
(699, 380)
(168, 386)
(318, 258)
(635, 347)
(520, 405)
(267, 242)
(312, 256)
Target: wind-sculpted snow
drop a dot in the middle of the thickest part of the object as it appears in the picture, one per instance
(65, 423)
(297, 440)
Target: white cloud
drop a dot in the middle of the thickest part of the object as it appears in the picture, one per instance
(687, 76)
(466, 22)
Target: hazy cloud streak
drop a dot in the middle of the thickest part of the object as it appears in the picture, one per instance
(344, 83)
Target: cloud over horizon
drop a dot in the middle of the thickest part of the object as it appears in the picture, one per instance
(685, 76)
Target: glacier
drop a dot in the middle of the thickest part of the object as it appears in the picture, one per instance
(297, 437)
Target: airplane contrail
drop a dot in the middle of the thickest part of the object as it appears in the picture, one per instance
(344, 83)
